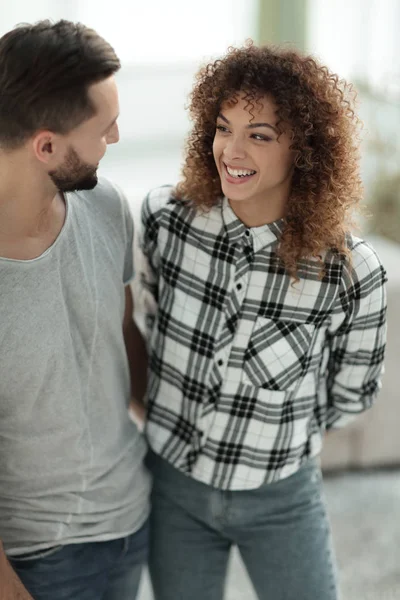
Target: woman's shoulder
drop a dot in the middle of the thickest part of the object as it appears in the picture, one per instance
(164, 198)
(364, 258)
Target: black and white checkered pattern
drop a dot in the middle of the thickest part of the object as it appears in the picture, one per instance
(248, 369)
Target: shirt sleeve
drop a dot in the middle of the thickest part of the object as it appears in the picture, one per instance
(149, 259)
(357, 338)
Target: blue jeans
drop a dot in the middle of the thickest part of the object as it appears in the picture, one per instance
(281, 531)
(89, 571)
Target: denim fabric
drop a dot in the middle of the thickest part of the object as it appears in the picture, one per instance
(90, 571)
(281, 531)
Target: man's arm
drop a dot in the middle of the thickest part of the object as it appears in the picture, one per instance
(11, 587)
(137, 356)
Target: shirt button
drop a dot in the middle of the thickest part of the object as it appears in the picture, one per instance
(247, 232)
(220, 362)
(239, 286)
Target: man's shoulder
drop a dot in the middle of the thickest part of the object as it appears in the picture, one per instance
(105, 193)
(105, 204)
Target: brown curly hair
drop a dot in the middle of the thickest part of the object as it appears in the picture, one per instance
(319, 108)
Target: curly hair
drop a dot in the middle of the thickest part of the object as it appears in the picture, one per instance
(319, 108)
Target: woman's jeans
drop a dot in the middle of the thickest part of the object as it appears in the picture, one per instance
(281, 531)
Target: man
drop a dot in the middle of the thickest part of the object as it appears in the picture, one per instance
(73, 489)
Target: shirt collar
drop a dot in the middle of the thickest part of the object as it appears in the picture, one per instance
(261, 236)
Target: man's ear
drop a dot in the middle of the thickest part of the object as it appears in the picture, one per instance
(46, 146)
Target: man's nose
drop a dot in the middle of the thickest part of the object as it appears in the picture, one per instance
(113, 136)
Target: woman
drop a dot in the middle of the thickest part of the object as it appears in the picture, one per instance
(266, 327)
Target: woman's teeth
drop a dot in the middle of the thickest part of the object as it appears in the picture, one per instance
(240, 172)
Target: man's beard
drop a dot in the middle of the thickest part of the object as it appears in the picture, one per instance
(74, 174)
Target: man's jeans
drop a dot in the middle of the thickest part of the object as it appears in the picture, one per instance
(89, 571)
(281, 531)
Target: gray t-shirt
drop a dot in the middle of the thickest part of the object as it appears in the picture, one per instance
(71, 460)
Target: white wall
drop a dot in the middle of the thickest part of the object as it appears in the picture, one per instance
(359, 39)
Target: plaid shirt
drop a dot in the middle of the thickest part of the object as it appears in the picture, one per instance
(247, 369)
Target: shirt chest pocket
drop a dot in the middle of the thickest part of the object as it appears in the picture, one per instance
(278, 353)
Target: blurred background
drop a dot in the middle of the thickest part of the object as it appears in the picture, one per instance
(161, 44)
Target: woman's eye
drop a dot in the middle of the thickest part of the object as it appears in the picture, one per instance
(222, 128)
(262, 138)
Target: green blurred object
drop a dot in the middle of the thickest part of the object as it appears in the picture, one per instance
(381, 159)
(384, 204)
(283, 21)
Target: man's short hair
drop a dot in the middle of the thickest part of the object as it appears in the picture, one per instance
(45, 72)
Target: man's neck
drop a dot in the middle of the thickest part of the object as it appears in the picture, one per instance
(29, 239)
(27, 217)
(32, 214)
(26, 207)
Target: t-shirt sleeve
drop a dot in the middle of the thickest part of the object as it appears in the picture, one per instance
(128, 227)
